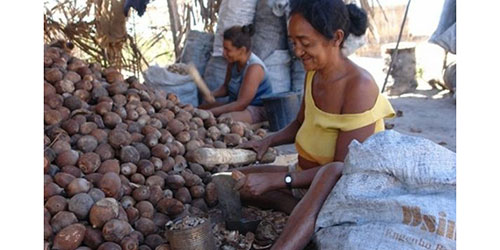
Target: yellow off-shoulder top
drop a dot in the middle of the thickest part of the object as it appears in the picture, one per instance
(315, 141)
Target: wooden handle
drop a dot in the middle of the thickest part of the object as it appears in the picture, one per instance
(239, 177)
(202, 86)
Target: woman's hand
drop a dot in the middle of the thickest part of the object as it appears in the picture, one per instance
(259, 146)
(259, 183)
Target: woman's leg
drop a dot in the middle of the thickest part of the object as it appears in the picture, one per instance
(242, 116)
(300, 225)
(251, 115)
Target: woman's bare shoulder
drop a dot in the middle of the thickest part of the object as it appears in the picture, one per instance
(255, 68)
(361, 92)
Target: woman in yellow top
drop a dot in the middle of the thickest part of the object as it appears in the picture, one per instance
(341, 103)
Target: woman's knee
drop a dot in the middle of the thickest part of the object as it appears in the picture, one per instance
(242, 116)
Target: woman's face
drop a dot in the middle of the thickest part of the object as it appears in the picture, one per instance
(231, 53)
(312, 47)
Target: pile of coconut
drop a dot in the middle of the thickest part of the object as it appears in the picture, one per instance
(115, 171)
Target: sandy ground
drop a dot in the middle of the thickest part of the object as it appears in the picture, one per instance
(427, 112)
(434, 119)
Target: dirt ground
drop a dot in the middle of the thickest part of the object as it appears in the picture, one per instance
(427, 112)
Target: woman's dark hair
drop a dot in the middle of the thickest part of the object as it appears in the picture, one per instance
(240, 35)
(327, 16)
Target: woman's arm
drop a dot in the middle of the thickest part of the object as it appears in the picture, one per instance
(259, 183)
(301, 222)
(361, 96)
(253, 77)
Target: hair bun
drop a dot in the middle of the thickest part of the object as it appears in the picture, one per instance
(248, 29)
(359, 19)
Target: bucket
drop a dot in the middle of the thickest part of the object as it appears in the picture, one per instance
(281, 108)
(196, 238)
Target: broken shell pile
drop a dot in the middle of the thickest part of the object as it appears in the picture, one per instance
(268, 230)
(187, 222)
(232, 240)
(179, 68)
(115, 170)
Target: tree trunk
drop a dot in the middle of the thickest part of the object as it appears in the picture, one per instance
(175, 26)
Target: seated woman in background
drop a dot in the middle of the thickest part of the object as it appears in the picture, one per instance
(341, 103)
(246, 79)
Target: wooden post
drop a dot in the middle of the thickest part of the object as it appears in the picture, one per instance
(394, 55)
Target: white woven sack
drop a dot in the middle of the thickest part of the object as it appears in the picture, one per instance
(161, 76)
(215, 72)
(197, 49)
(278, 69)
(182, 85)
(270, 30)
(297, 75)
(352, 43)
(231, 13)
(396, 192)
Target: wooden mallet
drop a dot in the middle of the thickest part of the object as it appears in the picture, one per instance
(202, 86)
